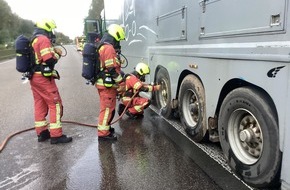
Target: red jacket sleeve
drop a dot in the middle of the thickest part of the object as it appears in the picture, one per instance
(109, 59)
(43, 49)
(132, 82)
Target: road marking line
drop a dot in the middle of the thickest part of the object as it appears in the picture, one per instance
(5, 62)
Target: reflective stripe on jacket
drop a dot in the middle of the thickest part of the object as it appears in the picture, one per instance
(109, 59)
(132, 84)
(43, 50)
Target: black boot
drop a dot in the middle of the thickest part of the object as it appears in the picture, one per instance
(130, 115)
(112, 130)
(61, 139)
(44, 135)
(110, 137)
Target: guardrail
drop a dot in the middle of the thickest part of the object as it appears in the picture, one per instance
(7, 54)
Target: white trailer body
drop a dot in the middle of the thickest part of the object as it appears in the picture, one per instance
(224, 69)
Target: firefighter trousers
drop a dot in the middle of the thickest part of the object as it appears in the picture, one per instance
(138, 104)
(107, 109)
(46, 101)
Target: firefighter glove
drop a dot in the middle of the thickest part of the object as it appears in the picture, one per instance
(55, 74)
(58, 51)
(121, 88)
(157, 87)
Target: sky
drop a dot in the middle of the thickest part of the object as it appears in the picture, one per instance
(68, 14)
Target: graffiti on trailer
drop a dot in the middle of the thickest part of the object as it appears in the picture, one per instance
(132, 29)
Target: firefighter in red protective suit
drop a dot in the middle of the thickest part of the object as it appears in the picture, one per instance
(109, 80)
(47, 100)
(134, 83)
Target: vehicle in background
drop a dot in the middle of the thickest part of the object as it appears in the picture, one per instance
(80, 41)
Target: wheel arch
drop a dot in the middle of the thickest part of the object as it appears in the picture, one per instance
(182, 76)
(237, 83)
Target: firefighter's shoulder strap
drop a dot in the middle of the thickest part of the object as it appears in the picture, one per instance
(35, 67)
(98, 47)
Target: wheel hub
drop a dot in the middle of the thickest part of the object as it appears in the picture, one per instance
(163, 93)
(246, 135)
(191, 108)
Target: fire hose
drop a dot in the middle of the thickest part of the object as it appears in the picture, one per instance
(4, 143)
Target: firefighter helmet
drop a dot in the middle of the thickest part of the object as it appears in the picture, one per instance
(116, 31)
(46, 24)
(142, 69)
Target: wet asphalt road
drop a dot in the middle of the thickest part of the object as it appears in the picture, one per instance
(149, 153)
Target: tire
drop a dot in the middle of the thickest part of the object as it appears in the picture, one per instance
(249, 136)
(163, 96)
(192, 107)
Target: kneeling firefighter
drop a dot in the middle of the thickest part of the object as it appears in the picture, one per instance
(109, 79)
(45, 92)
(134, 83)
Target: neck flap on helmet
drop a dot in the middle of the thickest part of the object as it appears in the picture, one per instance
(107, 38)
(40, 31)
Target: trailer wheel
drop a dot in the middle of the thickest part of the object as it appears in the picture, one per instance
(163, 96)
(192, 107)
(249, 136)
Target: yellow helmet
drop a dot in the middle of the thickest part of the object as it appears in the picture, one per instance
(46, 24)
(116, 31)
(142, 69)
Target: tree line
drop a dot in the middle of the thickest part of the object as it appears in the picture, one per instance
(11, 25)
